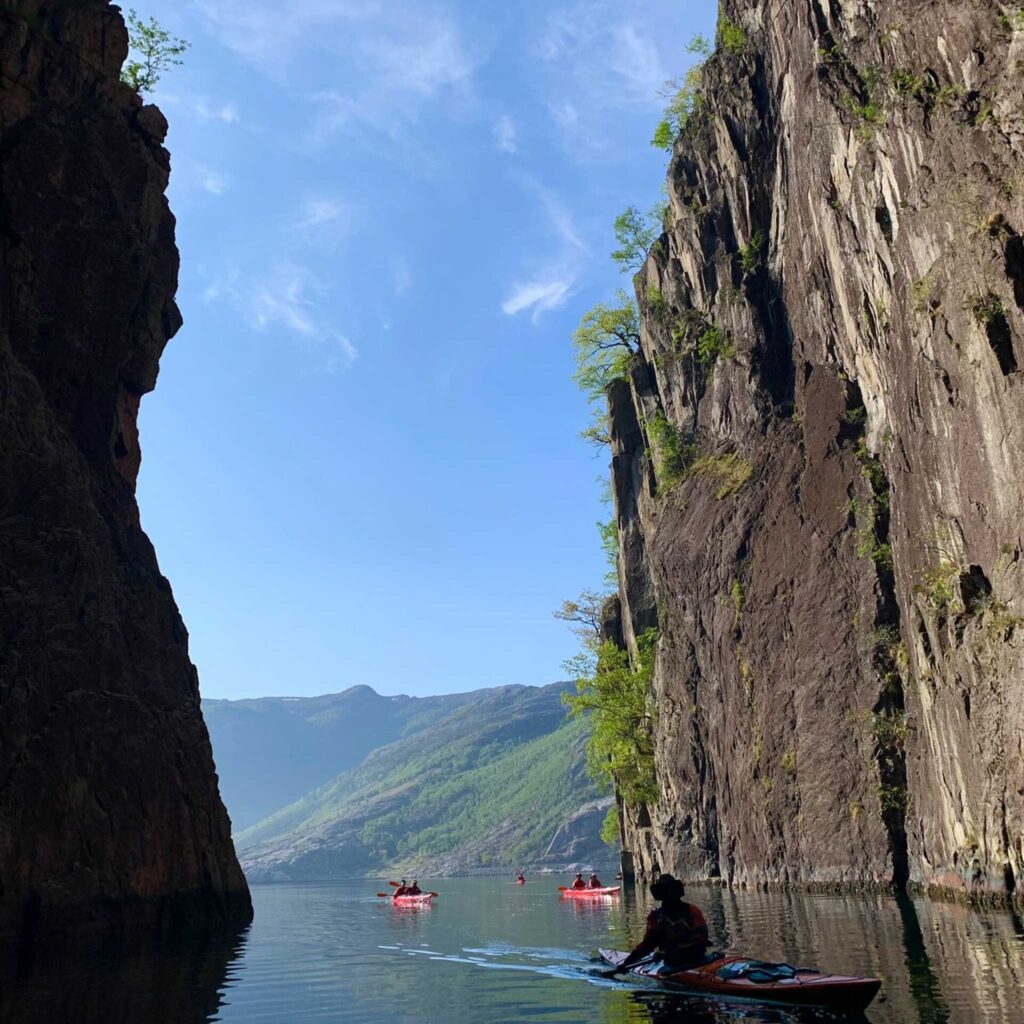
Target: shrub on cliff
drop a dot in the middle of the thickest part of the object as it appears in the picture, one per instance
(616, 692)
(155, 50)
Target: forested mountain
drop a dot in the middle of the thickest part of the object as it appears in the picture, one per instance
(484, 780)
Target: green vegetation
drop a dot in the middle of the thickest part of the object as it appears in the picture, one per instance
(616, 694)
(728, 472)
(751, 253)
(737, 597)
(685, 104)
(610, 827)
(153, 51)
(609, 533)
(673, 451)
(656, 302)
(605, 342)
(713, 345)
(891, 730)
(637, 233)
(986, 308)
(939, 585)
(731, 37)
(893, 798)
(443, 792)
(788, 762)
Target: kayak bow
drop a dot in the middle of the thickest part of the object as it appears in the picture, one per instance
(845, 993)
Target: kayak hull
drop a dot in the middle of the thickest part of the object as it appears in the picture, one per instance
(837, 992)
(412, 901)
(584, 894)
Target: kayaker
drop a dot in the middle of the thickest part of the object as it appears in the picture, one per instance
(677, 930)
(402, 890)
(521, 878)
(414, 889)
(578, 882)
(595, 882)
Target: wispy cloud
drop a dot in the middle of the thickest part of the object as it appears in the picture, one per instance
(538, 296)
(213, 181)
(505, 135)
(320, 211)
(226, 112)
(287, 296)
(402, 280)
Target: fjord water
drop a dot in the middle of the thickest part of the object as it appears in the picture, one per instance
(491, 951)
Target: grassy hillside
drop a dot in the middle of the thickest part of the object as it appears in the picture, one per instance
(271, 751)
(500, 781)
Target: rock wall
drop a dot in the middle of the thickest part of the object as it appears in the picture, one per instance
(109, 810)
(833, 336)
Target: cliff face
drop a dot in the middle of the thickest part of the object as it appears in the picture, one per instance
(833, 333)
(108, 798)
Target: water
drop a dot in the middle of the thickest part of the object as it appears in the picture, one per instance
(490, 952)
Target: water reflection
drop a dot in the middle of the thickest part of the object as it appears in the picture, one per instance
(484, 954)
(177, 982)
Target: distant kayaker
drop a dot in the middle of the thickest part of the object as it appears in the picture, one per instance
(677, 930)
(578, 882)
(402, 890)
(521, 878)
(414, 889)
(595, 882)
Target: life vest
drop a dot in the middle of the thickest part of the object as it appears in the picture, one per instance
(676, 933)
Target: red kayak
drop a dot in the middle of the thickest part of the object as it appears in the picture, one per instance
(751, 979)
(583, 894)
(411, 901)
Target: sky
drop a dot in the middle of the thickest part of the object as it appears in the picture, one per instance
(361, 464)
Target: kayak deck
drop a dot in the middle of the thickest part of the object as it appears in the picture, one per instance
(407, 901)
(585, 893)
(849, 994)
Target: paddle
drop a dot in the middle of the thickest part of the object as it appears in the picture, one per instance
(618, 970)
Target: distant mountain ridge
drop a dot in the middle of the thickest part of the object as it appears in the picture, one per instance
(356, 782)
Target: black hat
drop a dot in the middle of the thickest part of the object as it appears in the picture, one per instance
(667, 887)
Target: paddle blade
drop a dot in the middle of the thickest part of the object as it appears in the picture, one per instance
(563, 888)
(395, 884)
(384, 895)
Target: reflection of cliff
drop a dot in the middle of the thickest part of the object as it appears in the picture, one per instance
(110, 984)
(832, 330)
(108, 797)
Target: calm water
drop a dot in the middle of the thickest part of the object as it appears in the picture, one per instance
(490, 951)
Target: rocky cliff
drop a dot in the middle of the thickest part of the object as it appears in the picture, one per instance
(108, 799)
(816, 459)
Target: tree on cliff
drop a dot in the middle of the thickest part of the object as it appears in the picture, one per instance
(637, 233)
(155, 50)
(605, 341)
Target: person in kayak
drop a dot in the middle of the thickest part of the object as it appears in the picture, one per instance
(578, 882)
(414, 889)
(595, 882)
(520, 878)
(402, 890)
(677, 930)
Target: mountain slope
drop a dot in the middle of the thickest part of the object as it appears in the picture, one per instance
(271, 751)
(491, 784)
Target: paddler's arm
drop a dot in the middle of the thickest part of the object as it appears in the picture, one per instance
(648, 945)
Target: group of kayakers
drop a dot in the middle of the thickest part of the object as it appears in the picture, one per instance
(594, 883)
(407, 890)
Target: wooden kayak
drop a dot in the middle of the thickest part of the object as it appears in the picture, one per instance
(837, 992)
(608, 890)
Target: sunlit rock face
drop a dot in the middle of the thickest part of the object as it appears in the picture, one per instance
(109, 810)
(837, 578)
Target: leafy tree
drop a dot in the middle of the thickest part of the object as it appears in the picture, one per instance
(155, 50)
(610, 827)
(685, 101)
(605, 341)
(617, 695)
(637, 233)
(609, 532)
(585, 615)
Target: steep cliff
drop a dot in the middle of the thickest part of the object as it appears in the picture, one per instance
(816, 460)
(109, 808)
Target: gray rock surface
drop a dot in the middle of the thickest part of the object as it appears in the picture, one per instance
(838, 578)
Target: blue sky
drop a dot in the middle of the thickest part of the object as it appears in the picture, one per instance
(361, 462)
